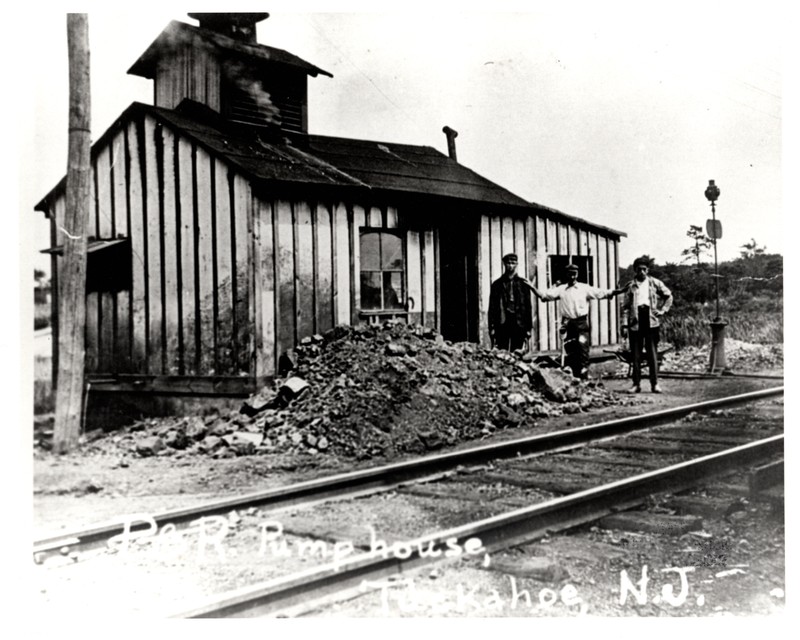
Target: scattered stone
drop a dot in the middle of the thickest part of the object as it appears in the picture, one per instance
(220, 428)
(293, 388)
(378, 390)
(88, 486)
(177, 439)
(395, 349)
(196, 429)
(538, 568)
(515, 399)
(258, 402)
(149, 446)
(553, 383)
(211, 444)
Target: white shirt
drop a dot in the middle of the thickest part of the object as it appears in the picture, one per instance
(641, 295)
(574, 300)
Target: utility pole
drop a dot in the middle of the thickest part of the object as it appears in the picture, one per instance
(72, 276)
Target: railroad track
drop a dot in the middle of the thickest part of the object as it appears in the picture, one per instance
(477, 501)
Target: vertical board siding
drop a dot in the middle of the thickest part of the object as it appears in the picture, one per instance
(572, 240)
(437, 280)
(223, 282)
(429, 279)
(613, 267)
(226, 364)
(374, 217)
(120, 167)
(507, 237)
(92, 333)
(105, 229)
(357, 220)
(153, 194)
(532, 274)
(594, 308)
(304, 278)
(541, 283)
(551, 240)
(484, 278)
(284, 247)
(241, 222)
(495, 248)
(603, 282)
(583, 244)
(324, 269)
(563, 239)
(414, 271)
(187, 224)
(170, 256)
(138, 231)
(341, 239)
(392, 221)
(519, 246)
(204, 259)
(264, 289)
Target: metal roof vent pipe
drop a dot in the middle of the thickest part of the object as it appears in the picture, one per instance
(451, 142)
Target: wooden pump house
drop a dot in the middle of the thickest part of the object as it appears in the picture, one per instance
(222, 232)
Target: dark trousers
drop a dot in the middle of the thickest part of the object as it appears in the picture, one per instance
(645, 339)
(576, 335)
(510, 337)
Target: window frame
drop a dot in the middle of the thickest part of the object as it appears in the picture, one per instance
(402, 299)
(556, 263)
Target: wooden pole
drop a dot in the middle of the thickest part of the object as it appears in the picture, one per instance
(72, 298)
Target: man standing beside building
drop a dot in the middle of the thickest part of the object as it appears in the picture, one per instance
(640, 316)
(510, 319)
(576, 334)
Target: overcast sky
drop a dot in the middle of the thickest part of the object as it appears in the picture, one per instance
(613, 113)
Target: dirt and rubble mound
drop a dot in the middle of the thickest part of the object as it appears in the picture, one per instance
(740, 357)
(373, 391)
(398, 388)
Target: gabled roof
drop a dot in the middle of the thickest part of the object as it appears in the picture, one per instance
(408, 168)
(326, 161)
(318, 160)
(178, 34)
(549, 212)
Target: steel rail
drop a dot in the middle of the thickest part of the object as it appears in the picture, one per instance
(701, 375)
(303, 591)
(348, 485)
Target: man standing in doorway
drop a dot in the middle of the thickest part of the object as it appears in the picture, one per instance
(510, 319)
(576, 333)
(640, 317)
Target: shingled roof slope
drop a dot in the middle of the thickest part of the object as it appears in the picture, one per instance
(179, 33)
(409, 168)
(328, 161)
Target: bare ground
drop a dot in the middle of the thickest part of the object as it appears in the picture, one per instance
(93, 484)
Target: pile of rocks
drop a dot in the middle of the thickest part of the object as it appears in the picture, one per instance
(741, 357)
(377, 390)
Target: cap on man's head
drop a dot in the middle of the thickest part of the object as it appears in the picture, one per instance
(572, 267)
(510, 257)
(641, 261)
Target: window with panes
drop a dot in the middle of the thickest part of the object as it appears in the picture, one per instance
(382, 270)
(558, 269)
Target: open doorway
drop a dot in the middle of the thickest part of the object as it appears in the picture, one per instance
(458, 271)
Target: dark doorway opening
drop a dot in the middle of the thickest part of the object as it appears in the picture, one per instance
(458, 272)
